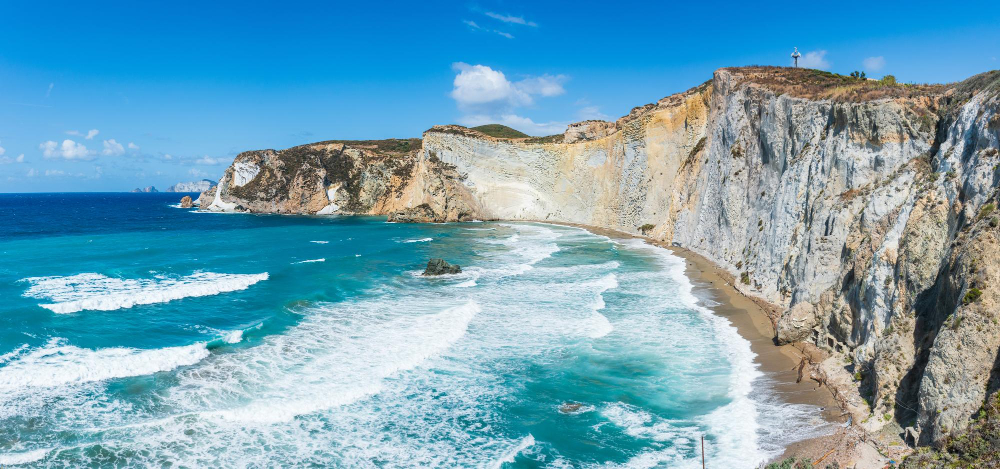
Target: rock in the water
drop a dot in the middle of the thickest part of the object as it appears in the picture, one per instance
(441, 267)
(186, 202)
(570, 407)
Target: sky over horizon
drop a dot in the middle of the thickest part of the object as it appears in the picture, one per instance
(119, 95)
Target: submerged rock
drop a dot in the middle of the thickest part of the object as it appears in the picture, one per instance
(441, 267)
(186, 202)
(570, 407)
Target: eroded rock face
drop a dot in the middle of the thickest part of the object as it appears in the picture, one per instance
(338, 177)
(588, 130)
(441, 267)
(186, 202)
(797, 324)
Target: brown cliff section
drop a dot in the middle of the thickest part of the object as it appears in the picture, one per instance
(359, 177)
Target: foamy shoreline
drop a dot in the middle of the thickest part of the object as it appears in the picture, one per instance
(753, 322)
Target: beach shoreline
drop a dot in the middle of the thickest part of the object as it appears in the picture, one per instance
(754, 320)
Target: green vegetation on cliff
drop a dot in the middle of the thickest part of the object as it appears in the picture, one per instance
(979, 447)
(500, 131)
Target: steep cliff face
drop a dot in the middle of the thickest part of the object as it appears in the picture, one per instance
(618, 176)
(342, 177)
(864, 212)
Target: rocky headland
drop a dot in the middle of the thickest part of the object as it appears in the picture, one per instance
(860, 214)
(194, 186)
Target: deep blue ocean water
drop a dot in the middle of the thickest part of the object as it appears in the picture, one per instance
(136, 333)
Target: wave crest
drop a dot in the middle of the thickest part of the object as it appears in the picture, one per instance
(92, 291)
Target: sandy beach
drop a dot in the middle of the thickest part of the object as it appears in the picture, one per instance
(753, 319)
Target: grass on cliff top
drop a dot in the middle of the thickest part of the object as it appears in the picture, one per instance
(389, 145)
(497, 131)
(500, 131)
(818, 84)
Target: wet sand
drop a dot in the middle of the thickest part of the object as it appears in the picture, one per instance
(753, 319)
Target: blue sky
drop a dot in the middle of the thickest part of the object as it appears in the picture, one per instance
(115, 95)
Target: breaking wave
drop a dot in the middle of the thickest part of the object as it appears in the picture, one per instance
(91, 291)
(57, 364)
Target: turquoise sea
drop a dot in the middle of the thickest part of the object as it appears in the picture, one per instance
(134, 333)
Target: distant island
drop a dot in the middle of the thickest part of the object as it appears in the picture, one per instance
(147, 189)
(194, 186)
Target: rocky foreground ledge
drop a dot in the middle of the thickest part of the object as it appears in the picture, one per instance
(863, 212)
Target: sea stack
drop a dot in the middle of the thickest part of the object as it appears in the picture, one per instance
(441, 267)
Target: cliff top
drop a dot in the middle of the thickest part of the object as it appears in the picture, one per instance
(500, 131)
(494, 132)
(818, 84)
(390, 146)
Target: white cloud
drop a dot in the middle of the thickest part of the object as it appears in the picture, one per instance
(54, 172)
(89, 135)
(474, 25)
(208, 160)
(168, 156)
(132, 146)
(31, 173)
(2, 151)
(545, 85)
(874, 64)
(478, 85)
(112, 148)
(49, 91)
(197, 173)
(9, 160)
(480, 88)
(486, 96)
(511, 19)
(592, 113)
(69, 150)
(814, 59)
(49, 148)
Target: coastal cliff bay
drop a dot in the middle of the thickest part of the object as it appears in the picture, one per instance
(860, 213)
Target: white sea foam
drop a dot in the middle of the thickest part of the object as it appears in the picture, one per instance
(310, 261)
(421, 240)
(58, 365)
(319, 242)
(598, 325)
(233, 337)
(91, 291)
(509, 457)
(471, 282)
(13, 353)
(24, 457)
(736, 426)
(327, 362)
